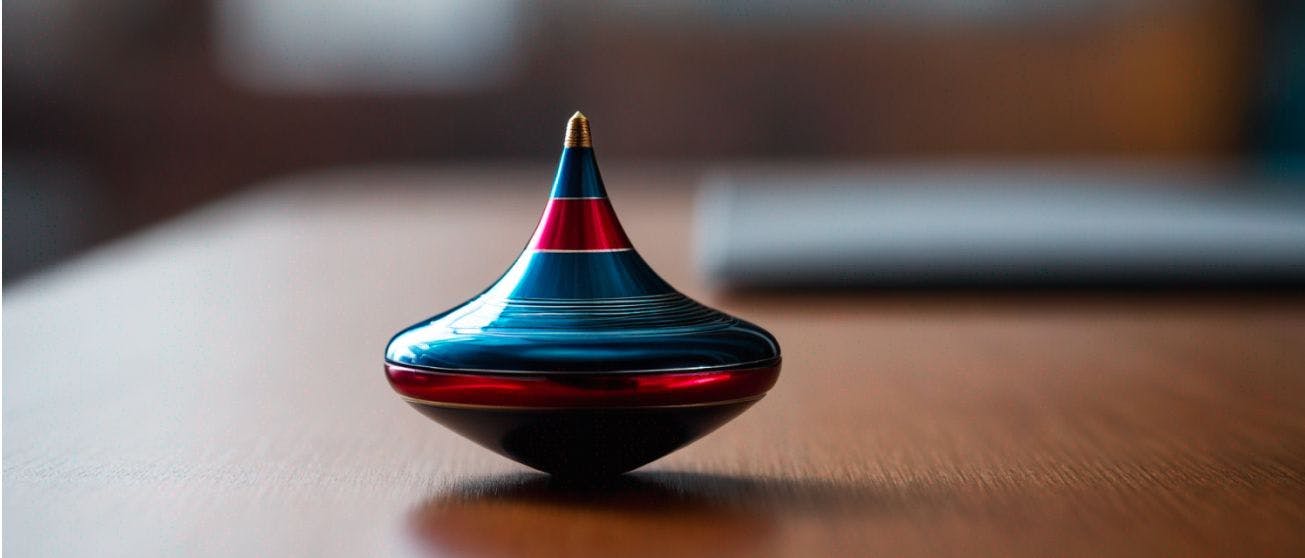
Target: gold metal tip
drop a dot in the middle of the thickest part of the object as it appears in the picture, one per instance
(577, 132)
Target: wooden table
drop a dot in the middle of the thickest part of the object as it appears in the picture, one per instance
(213, 387)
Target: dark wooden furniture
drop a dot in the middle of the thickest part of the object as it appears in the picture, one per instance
(213, 386)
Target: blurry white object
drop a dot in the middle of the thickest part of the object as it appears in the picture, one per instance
(994, 226)
(377, 46)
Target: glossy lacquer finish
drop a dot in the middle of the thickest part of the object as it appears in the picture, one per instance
(580, 360)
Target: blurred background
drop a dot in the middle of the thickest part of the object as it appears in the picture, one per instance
(121, 113)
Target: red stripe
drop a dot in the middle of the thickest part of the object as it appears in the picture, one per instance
(581, 390)
(579, 224)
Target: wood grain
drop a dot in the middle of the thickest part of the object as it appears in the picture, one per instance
(212, 387)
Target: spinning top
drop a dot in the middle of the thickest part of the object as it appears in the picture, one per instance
(580, 360)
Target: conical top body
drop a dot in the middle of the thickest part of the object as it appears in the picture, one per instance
(581, 322)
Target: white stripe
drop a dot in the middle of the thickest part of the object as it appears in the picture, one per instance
(581, 198)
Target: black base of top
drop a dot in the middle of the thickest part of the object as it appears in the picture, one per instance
(579, 443)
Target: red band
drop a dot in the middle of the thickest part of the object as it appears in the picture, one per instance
(579, 224)
(581, 390)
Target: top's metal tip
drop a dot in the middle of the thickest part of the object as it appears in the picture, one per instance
(577, 131)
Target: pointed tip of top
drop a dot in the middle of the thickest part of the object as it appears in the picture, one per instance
(577, 131)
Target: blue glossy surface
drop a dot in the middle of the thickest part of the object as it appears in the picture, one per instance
(577, 175)
(581, 312)
(578, 276)
(611, 335)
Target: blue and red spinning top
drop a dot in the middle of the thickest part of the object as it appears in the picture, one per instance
(580, 360)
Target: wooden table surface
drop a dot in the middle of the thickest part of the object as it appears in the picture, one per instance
(213, 387)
